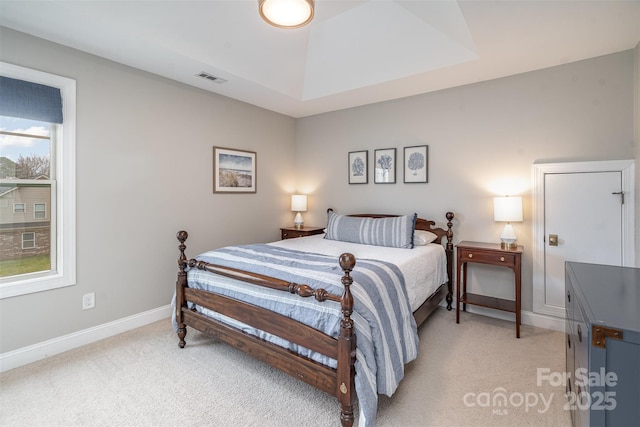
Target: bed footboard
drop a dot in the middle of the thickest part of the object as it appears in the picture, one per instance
(339, 382)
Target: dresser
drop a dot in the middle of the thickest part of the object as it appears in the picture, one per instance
(603, 344)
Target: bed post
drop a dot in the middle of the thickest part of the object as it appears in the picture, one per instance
(346, 346)
(449, 251)
(181, 283)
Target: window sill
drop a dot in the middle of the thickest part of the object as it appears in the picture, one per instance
(32, 283)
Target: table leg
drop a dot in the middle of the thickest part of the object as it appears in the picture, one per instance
(518, 303)
(458, 292)
(464, 284)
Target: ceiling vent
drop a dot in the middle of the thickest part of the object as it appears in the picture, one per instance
(211, 77)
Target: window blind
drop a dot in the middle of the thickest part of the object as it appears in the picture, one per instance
(27, 100)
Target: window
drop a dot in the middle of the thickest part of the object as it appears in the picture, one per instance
(28, 240)
(37, 179)
(39, 210)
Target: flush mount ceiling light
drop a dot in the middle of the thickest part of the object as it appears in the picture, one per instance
(286, 13)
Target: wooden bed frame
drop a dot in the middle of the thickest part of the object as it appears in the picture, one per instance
(338, 382)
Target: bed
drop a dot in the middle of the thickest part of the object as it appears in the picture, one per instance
(309, 308)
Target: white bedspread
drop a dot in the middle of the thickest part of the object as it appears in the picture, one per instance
(424, 267)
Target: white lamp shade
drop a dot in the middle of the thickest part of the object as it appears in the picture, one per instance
(298, 203)
(286, 13)
(507, 209)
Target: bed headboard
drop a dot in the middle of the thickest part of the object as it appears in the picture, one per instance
(445, 238)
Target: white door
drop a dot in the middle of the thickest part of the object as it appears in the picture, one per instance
(584, 211)
(582, 219)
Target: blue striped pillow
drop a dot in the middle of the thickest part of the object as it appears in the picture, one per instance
(396, 232)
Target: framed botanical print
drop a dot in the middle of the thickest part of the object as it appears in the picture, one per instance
(359, 167)
(234, 171)
(416, 164)
(385, 166)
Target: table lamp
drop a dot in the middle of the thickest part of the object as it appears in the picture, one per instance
(507, 209)
(298, 204)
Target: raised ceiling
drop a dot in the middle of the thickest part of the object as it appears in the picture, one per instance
(354, 52)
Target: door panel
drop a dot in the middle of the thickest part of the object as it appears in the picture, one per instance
(574, 201)
(582, 209)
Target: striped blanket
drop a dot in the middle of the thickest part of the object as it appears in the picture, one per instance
(384, 325)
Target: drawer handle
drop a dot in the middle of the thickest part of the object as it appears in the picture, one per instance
(470, 255)
(569, 341)
(568, 296)
(579, 333)
(502, 258)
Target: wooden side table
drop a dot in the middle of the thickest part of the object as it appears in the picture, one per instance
(492, 254)
(292, 232)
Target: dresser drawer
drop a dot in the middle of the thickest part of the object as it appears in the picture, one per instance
(487, 257)
(290, 234)
(570, 308)
(582, 339)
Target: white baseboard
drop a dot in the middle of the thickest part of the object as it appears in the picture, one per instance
(528, 318)
(32, 353)
(544, 321)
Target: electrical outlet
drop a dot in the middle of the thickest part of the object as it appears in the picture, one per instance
(88, 300)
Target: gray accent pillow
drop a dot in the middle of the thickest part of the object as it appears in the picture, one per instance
(396, 232)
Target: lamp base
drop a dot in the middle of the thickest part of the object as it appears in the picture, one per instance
(298, 223)
(508, 238)
(508, 245)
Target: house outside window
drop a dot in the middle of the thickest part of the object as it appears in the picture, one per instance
(37, 181)
(39, 210)
(28, 240)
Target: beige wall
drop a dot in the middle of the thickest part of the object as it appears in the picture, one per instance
(144, 171)
(483, 140)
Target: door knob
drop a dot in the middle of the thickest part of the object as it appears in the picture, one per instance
(553, 240)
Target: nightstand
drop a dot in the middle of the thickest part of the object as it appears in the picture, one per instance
(292, 232)
(491, 254)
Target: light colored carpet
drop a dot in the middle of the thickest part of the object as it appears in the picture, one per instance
(142, 378)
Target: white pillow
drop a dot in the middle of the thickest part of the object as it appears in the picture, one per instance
(423, 237)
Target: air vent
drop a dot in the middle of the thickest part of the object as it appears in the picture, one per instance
(211, 77)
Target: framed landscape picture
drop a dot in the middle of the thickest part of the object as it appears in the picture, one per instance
(359, 167)
(385, 166)
(234, 171)
(416, 164)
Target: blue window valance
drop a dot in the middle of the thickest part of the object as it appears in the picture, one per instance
(27, 100)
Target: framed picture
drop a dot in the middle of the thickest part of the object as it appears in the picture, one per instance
(234, 171)
(359, 167)
(385, 166)
(416, 164)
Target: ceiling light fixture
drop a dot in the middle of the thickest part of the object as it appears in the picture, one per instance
(286, 13)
